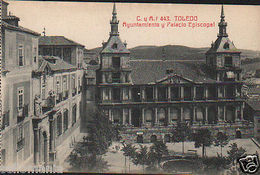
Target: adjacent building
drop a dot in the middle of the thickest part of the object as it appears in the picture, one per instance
(19, 58)
(150, 97)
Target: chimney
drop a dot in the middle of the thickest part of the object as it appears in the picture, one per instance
(10, 19)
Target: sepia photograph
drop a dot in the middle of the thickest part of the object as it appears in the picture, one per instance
(130, 88)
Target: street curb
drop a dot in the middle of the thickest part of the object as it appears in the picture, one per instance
(257, 144)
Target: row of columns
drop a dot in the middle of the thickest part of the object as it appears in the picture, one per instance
(193, 113)
(128, 96)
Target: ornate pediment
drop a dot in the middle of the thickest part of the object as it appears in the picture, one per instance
(174, 79)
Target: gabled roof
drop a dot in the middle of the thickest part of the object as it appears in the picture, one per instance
(19, 28)
(151, 71)
(114, 39)
(59, 64)
(57, 41)
(223, 44)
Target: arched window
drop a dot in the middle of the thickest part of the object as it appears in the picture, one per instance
(114, 46)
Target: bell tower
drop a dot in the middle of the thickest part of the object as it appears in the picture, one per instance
(223, 58)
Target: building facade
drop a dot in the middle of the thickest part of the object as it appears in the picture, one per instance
(150, 97)
(20, 57)
(57, 106)
(60, 46)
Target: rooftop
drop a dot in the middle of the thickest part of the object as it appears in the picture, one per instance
(19, 28)
(151, 71)
(54, 63)
(57, 41)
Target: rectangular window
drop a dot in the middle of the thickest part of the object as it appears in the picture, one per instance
(20, 138)
(228, 61)
(64, 83)
(116, 77)
(65, 120)
(21, 56)
(116, 62)
(59, 124)
(20, 102)
(34, 54)
(74, 114)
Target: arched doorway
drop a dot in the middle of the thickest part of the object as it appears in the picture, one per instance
(140, 139)
(148, 116)
(45, 148)
(238, 134)
(167, 138)
(199, 114)
(187, 114)
(153, 138)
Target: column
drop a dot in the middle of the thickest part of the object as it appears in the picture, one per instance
(110, 93)
(169, 116)
(169, 93)
(206, 92)
(110, 114)
(124, 116)
(224, 91)
(155, 93)
(224, 113)
(156, 115)
(36, 145)
(130, 116)
(52, 152)
(143, 119)
(236, 113)
(194, 114)
(194, 92)
(242, 111)
(182, 92)
(219, 114)
(206, 114)
(142, 93)
(182, 119)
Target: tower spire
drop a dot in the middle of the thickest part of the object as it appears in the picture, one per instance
(114, 22)
(222, 24)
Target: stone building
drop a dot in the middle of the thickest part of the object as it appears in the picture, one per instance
(60, 46)
(149, 97)
(57, 105)
(19, 58)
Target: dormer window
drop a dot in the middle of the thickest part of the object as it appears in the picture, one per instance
(226, 45)
(114, 46)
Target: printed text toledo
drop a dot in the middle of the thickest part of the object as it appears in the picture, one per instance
(168, 21)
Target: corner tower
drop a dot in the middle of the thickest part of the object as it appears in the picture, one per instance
(223, 58)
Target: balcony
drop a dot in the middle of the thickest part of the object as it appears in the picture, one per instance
(58, 98)
(48, 104)
(65, 95)
(20, 144)
(23, 111)
(5, 120)
(74, 91)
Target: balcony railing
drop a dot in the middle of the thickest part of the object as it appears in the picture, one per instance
(58, 98)
(23, 111)
(74, 91)
(65, 95)
(20, 144)
(5, 120)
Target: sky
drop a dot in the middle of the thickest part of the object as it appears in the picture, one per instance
(88, 23)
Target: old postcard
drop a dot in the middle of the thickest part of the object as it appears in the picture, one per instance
(130, 88)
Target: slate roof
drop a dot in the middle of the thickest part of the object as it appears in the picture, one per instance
(255, 104)
(219, 44)
(120, 45)
(19, 28)
(59, 65)
(150, 71)
(57, 41)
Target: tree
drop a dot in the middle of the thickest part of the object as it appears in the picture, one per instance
(87, 155)
(203, 138)
(221, 140)
(129, 151)
(157, 151)
(141, 156)
(181, 133)
(234, 152)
